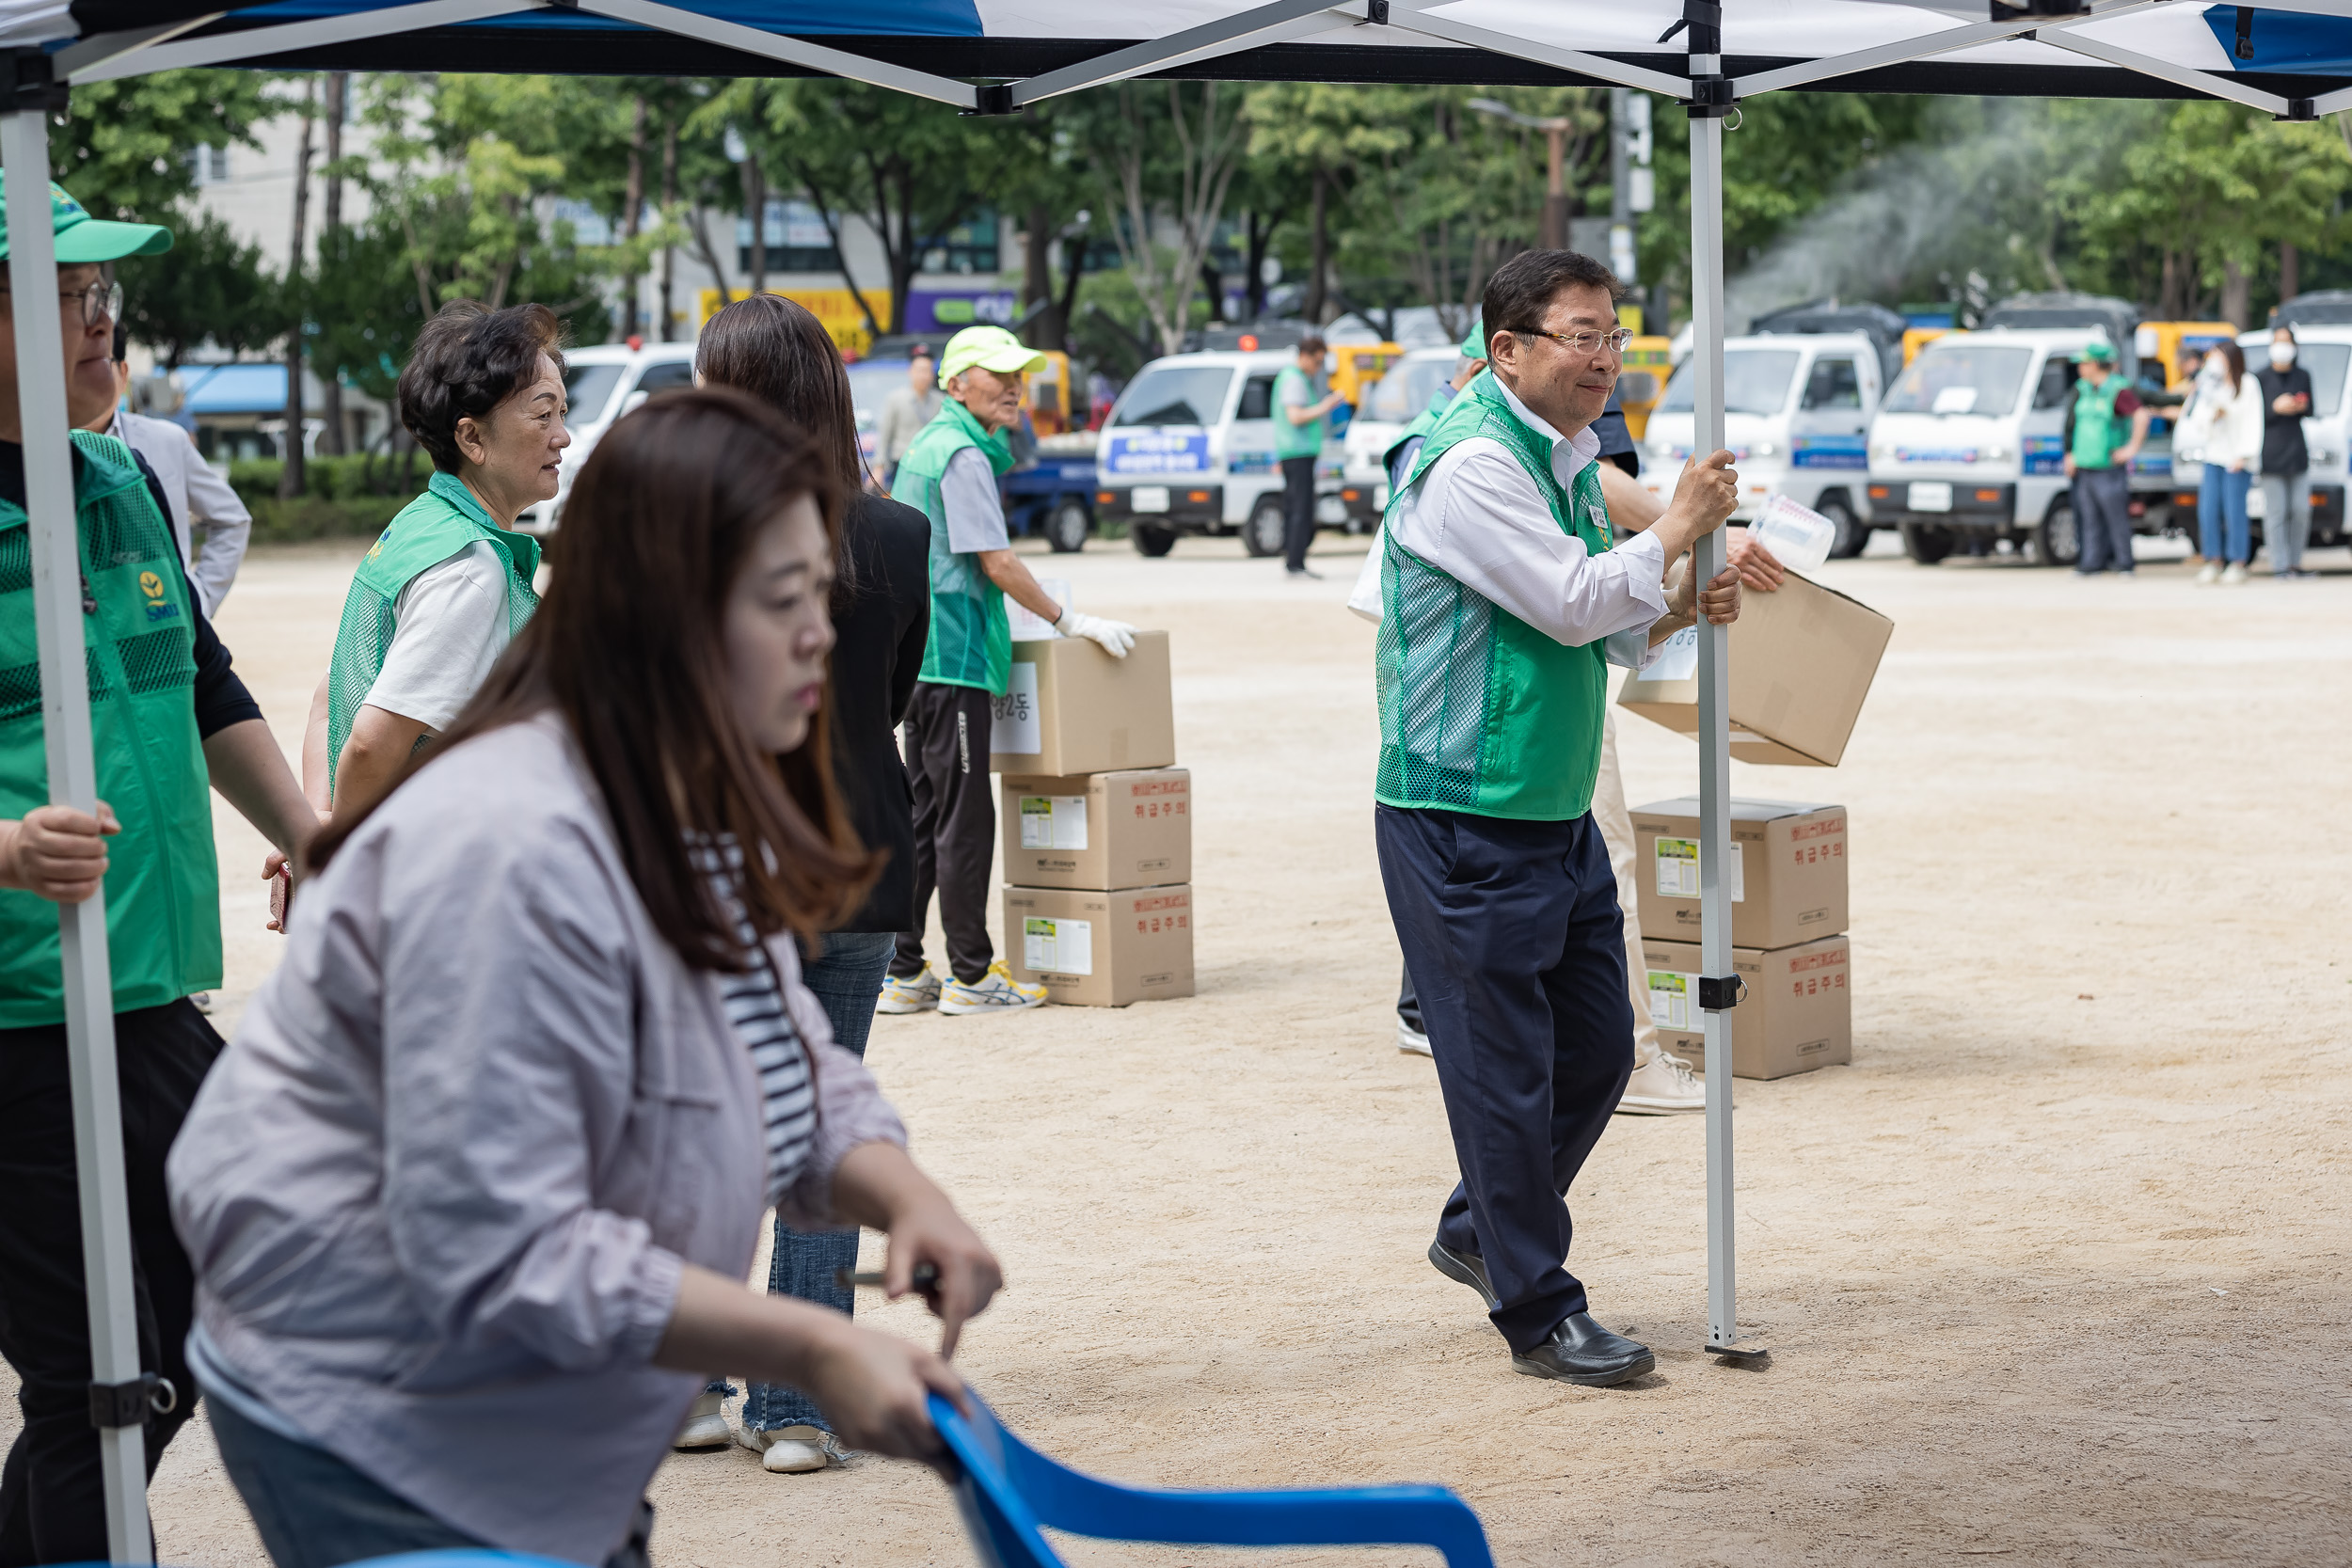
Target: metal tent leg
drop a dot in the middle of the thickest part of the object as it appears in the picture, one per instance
(89, 1019)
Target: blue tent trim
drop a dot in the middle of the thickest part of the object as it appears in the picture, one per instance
(2293, 41)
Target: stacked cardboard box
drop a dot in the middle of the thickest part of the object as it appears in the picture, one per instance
(1097, 823)
(1787, 884)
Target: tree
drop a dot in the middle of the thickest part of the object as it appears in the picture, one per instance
(206, 288)
(122, 149)
(1165, 157)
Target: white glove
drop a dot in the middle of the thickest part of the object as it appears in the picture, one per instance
(1113, 637)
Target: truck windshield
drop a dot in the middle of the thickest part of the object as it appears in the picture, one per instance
(586, 389)
(1175, 395)
(1965, 379)
(1399, 397)
(1755, 381)
(2327, 362)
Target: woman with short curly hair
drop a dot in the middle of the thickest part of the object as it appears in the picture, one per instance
(449, 584)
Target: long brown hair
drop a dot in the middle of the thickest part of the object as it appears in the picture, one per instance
(2234, 357)
(627, 651)
(778, 351)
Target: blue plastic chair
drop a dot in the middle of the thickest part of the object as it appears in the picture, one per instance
(1009, 1491)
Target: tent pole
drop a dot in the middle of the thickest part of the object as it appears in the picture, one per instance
(90, 1019)
(1718, 987)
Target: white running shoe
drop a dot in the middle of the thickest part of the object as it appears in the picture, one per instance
(706, 1424)
(201, 1001)
(2233, 575)
(792, 1451)
(916, 993)
(996, 991)
(2210, 572)
(1412, 1041)
(1662, 1086)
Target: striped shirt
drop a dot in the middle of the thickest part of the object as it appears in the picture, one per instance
(757, 1012)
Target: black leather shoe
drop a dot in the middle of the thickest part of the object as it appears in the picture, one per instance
(1463, 1268)
(1581, 1351)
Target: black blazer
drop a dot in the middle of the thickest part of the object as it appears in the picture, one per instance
(880, 622)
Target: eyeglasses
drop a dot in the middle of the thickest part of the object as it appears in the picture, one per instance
(1585, 343)
(99, 302)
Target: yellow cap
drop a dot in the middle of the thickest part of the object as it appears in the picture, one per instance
(992, 348)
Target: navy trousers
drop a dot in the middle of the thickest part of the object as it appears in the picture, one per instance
(1515, 942)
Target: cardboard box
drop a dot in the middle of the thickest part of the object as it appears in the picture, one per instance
(1101, 949)
(1802, 662)
(1797, 1015)
(1129, 828)
(1787, 871)
(1072, 708)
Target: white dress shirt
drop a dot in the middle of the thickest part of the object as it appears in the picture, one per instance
(195, 494)
(1476, 516)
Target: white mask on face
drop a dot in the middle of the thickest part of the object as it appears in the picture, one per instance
(2281, 355)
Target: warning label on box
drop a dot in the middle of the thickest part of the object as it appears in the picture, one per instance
(1678, 863)
(1052, 821)
(1057, 946)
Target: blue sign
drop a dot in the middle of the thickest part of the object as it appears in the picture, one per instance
(2047, 454)
(1149, 453)
(1830, 451)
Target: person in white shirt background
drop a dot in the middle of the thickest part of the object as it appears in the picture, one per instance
(198, 496)
(905, 412)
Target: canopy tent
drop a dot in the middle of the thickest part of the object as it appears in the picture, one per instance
(2291, 58)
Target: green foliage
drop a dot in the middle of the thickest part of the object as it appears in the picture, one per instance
(310, 516)
(123, 147)
(356, 478)
(207, 286)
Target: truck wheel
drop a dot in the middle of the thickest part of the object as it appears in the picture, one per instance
(1926, 543)
(2057, 543)
(1151, 539)
(1066, 528)
(1853, 534)
(1261, 535)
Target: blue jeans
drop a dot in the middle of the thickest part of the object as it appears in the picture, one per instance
(2221, 502)
(847, 982)
(314, 1511)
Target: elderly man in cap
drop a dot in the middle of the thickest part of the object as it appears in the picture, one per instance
(170, 718)
(949, 475)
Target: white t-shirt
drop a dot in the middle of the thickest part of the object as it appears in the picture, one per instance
(451, 627)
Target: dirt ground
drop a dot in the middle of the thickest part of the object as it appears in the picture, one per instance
(2055, 1271)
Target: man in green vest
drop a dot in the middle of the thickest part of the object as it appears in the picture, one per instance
(949, 475)
(1300, 421)
(1503, 602)
(2105, 426)
(170, 721)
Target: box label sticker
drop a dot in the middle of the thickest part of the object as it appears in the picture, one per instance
(1673, 999)
(1677, 865)
(1052, 821)
(1057, 946)
(1677, 657)
(1016, 728)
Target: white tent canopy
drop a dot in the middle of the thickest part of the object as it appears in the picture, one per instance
(2288, 58)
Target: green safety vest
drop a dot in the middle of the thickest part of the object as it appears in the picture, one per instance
(442, 522)
(139, 632)
(1479, 711)
(971, 643)
(2098, 429)
(1295, 440)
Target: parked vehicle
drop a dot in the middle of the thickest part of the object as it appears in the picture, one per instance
(1395, 401)
(1052, 492)
(601, 383)
(2324, 349)
(1189, 448)
(1797, 411)
(1648, 365)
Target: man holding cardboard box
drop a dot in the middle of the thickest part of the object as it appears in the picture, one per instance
(949, 474)
(1502, 604)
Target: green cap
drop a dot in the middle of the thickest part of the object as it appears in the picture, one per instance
(992, 348)
(83, 239)
(2098, 349)
(1474, 341)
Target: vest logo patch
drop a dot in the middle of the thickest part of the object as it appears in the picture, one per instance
(158, 608)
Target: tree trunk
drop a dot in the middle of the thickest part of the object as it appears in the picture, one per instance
(1036, 279)
(1318, 258)
(669, 253)
(2290, 271)
(334, 442)
(291, 477)
(1073, 271)
(632, 218)
(1253, 286)
(755, 208)
(1212, 284)
(2236, 306)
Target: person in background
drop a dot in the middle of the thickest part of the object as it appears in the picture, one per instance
(2188, 373)
(2232, 417)
(472, 1196)
(905, 412)
(2286, 393)
(775, 350)
(197, 496)
(949, 475)
(1301, 419)
(170, 722)
(449, 584)
(2105, 426)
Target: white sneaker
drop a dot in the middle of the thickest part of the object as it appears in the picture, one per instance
(706, 1424)
(1662, 1086)
(2210, 572)
(917, 993)
(996, 991)
(1412, 1040)
(201, 1001)
(792, 1451)
(2233, 575)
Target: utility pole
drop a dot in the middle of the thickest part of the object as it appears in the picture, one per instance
(1554, 235)
(338, 101)
(290, 476)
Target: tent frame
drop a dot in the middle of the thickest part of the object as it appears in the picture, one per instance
(31, 88)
